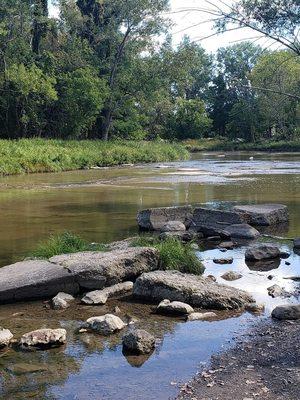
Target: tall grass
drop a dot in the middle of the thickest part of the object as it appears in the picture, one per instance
(174, 255)
(64, 243)
(40, 155)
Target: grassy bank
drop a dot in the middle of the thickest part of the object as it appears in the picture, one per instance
(219, 145)
(39, 155)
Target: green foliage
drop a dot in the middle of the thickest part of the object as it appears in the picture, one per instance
(64, 243)
(174, 255)
(40, 155)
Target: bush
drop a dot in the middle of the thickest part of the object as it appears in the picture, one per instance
(174, 255)
(64, 243)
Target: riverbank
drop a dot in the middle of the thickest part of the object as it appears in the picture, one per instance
(194, 146)
(264, 365)
(40, 155)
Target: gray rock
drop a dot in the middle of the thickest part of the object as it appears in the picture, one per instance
(139, 342)
(105, 324)
(263, 252)
(71, 273)
(223, 261)
(214, 222)
(227, 245)
(62, 301)
(198, 316)
(173, 226)
(101, 296)
(286, 312)
(44, 338)
(5, 337)
(156, 218)
(231, 276)
(191, 289)
(263, 214)
(297, 243)
(255, 307)
(275, 291)
(184, 236)
(242, 231)
(174, 308)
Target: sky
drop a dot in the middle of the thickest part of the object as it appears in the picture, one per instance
(184, 21)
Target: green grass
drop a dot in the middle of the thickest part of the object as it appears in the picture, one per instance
(224, 145)
(174, 255)
(40, 155)
(64, 243)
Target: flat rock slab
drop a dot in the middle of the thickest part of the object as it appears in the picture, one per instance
(100, 297)
(191, 289)
(154, 219)
(72, 273)
(263, 214)
(214, 222)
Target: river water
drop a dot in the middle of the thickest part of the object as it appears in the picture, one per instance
(101, 205)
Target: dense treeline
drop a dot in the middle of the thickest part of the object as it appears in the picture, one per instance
(108, 69)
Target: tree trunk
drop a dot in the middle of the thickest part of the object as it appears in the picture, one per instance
(39, 25)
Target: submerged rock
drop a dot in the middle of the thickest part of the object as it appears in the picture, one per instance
(44, 338)
(62, 301)
(101, 296)
(263, 252)
(174, 308)
(5, 337)
(173, 226)
(138, 342)
(191, 289)
(263, 214)
(198, 316)
(71, 273)
(156, 218)
(286, 312)
(231, 276)
(105, 324)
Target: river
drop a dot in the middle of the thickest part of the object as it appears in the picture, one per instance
(101, 206)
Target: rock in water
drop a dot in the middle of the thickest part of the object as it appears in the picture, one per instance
(286, 312)
(275, 291)
(5, 337)
(231, 276)
(263, 214)
(191, 289)
(297, 243)
(62, 301)
(242, 231)
(44, 338)
(198, 316)
(174, 226)
(264, 252)
(223, 261)
(174, 308)
(101, 296)
(139, 342)
(105, 324)
(154, 219)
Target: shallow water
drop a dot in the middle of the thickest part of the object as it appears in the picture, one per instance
(101, 205)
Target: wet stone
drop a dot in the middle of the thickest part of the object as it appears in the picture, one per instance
(138, 342)
(174, 308)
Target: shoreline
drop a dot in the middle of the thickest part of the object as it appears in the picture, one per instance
(264, 364)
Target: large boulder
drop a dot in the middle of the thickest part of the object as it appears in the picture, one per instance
(100, 297)
(5, 337)
(214, 222)
(242, 231)
(263, 214)
(263, 252)
(138, 342)
(287, 312)
(174, 308)
(154, 219)
(191, 289)
(71, 273)
(105, 324)
(44, 338)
